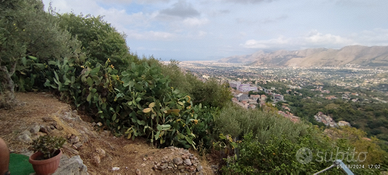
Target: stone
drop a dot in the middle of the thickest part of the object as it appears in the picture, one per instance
(59, 127)
(44, 129)
(192, 169)
(74, 139)
(77, 145)
(100, 152)
(48, 119)
(77, 118)
(164, 166)
(26, 138)
(138, 172)
(68, 149)
(181, 167)
(96, 159)
(72, 166)
(199, 168)
(187, 162)
(178, 161)
(34, 129)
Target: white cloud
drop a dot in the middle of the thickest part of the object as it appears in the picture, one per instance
(149, 35)
(202, 33)
(181, 9)
(195, 21)
(326, 39)
(312, 39)
(266, 44)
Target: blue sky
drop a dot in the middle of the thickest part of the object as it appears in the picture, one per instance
(214, 29)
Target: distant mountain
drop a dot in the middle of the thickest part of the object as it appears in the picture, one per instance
(375, 56)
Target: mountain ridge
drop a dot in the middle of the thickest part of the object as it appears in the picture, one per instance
(356, 55)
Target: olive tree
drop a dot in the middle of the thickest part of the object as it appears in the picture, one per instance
(100, 40)
(27, 30)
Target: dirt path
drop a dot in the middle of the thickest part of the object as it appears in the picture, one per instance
(99, 150)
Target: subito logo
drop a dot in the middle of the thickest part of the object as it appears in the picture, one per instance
(304, 155)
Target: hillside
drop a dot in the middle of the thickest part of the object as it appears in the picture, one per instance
(42, 114)
(362, 56)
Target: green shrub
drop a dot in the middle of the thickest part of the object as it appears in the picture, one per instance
(275, 156)
(237, 121)
(48, 145)
(209, 93)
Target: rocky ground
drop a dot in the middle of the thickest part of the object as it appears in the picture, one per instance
(90, 149)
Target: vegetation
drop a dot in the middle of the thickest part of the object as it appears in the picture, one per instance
(48, 145)
(90, 67)
(28, 32)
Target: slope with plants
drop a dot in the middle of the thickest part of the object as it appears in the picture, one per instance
(132, 97)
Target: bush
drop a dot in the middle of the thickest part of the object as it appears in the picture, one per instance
(48, 145)
(237, 121)
(209, 93)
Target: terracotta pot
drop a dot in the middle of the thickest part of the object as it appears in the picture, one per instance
(47, 166)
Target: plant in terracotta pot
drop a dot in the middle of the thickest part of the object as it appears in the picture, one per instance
(45, 160)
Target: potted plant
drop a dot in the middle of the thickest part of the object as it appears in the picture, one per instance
(45, 160)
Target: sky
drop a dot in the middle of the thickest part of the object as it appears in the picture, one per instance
(213, 29)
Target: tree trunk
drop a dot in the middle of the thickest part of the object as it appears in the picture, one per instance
(8, 99)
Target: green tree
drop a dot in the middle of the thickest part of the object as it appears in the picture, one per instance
(99, 39)
(27, 30)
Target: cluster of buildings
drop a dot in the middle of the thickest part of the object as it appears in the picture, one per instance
(275, 97)
(328, 121)
(242, 87)
(290, 116)
(319, 88)
(248, 102)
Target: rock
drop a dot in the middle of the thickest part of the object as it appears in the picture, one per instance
(77, 118)
(25, 137)
(199, 168)
(96, 159)
(77, 145)
(72, 166)
(34, 129)
(138, 172)
(99, 124)
(164, 166)
(68, 149)
(178, 161)
(48, 119)
(59, 127)
(74, 139)
(44, 129)
(100, 152)
(187, 162)
(192, 169)
(185, 156)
